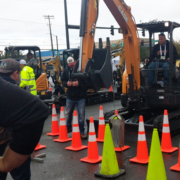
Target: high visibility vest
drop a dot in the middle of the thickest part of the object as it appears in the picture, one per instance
(28, 79)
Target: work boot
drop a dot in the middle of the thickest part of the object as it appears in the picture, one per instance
(83, 136)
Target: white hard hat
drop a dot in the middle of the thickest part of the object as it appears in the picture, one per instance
(22, 61)
(70, 60)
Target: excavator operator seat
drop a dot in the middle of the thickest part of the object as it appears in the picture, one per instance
(42, 83)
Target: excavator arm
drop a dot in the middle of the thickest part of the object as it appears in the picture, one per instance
(93, 69)
(98, 72)
(123, 16)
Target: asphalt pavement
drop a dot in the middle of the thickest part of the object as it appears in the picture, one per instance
(61, 164)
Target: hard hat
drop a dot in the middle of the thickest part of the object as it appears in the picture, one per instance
(70, 60)
(22, 61)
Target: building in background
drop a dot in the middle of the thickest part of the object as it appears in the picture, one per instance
(48, 54)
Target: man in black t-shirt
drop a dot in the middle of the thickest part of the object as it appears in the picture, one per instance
(25, 115)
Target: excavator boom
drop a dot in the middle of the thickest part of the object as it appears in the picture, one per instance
(95, 71)
(123, 16)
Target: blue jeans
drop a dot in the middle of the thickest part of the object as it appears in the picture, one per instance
(151, 74)
(70, 105)
(23, 172)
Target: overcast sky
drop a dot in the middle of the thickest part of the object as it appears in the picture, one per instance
(23, 22)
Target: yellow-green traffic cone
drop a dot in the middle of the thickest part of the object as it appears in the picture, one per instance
(109, 165)
(156, 169)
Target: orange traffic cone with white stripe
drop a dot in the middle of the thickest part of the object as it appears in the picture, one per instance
(142, 151)
(101, 128)
(50, 89)
(93, 156)
(63, 136)
(55, 125)
(111, 89)
(38, 147)
(177, 166)
(166, 145)
(76, 138)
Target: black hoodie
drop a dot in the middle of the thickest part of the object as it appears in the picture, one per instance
(156, 52)
(73, 92)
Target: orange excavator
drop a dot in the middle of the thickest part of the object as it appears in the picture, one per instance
(137, 97)
(96, 72)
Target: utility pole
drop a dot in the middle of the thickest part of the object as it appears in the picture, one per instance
(57, 42)
(50, 17)
(66, 24)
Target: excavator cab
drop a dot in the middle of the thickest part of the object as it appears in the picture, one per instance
(151, 101)
(42, 84)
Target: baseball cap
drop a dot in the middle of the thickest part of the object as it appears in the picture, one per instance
(9, 65)
(70, 60)
(22, 61)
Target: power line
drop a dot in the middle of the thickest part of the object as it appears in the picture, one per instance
(27, 21)
(48, 1)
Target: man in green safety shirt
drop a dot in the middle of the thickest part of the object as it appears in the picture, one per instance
(27, 78)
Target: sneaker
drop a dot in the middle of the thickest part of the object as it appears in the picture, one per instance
(69, 130)
(83, 136)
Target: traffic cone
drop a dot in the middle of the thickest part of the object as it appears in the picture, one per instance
(111, 89)
(177, 166)
(76, 139)
(55, 125)
(63, 135)
(166, 145)
(93, 156)
(38, 147)
(50, 89)
(142, 151)
(101, 128)
(119, 149)
(156, 169)
(109, 166)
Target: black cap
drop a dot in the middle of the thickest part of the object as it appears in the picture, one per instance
(9, 65)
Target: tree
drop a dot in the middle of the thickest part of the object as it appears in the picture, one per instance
(16, 55)
(144, 53)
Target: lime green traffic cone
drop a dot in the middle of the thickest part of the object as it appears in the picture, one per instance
(156, 169)
(109, 165)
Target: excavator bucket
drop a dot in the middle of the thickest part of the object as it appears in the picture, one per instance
(98, 70)
(42, 83)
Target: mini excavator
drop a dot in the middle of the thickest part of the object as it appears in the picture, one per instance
(137, 97)
(42, 84)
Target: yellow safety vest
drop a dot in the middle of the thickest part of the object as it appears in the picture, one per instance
(28, 79)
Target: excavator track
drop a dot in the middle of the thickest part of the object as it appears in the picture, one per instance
(152, 122)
